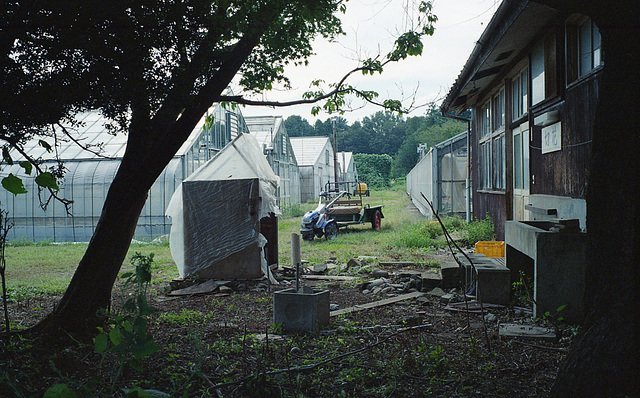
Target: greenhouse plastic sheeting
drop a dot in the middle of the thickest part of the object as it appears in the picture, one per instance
(231, 224)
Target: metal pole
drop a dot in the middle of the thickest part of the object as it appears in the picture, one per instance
(295, 257)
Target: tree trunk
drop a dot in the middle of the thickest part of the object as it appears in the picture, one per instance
(605, 361)
(90, 287)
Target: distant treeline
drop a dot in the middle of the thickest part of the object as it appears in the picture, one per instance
(383, 133)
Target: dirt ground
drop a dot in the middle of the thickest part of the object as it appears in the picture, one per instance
(225, 345)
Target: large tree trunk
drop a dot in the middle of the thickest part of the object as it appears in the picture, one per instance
(605, 361)
(90, 287)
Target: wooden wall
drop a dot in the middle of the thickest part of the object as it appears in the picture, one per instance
(566, 172)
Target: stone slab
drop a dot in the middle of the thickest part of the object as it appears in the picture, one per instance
(526, 331)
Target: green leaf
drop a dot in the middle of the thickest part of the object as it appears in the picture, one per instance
(100, 342)
(27, 166)
(116, 336)
(60, 391)
(45, 145)
(13, 184)
(145, 349)
(47, 180)
(136, 365)
(6, 155)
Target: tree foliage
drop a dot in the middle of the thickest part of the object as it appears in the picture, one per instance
(374, 169)
(153, 68)
(384, 132)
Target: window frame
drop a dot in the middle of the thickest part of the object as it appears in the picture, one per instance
(520, 94)
(573, 48)
(492, 148)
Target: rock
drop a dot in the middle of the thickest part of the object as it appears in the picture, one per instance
(376, 290)
(378, 273)
(295, 351)
(366, 291)
(436, 292)
(354, 263)
(376, 282)
(334, 307)
(490, 317)
(367, 259)
(319, 268)
(242, 287)
(225, 289)
(387, 289)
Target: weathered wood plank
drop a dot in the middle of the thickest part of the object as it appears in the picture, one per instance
(374, 304)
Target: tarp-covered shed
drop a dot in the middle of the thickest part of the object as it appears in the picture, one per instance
(219, 212)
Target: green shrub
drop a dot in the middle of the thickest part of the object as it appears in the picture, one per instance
(480, 230)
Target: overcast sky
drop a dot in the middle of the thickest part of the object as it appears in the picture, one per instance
(371, 27)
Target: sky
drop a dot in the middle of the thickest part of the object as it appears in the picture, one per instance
(371, 27)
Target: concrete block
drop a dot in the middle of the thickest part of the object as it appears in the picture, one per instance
(450, 273)
(304, 310)
(430, 280)
(493, 279)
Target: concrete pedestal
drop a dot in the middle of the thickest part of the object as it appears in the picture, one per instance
(305, 310)
(559, 265)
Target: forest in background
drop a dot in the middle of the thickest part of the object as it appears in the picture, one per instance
(385, 143)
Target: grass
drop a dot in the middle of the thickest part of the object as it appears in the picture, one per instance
(48, 268)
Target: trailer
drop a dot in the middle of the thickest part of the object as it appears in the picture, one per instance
(339, 208)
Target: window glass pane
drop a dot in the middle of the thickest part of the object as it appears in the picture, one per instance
(517, 161)
(498, 162)
(524, 81)
(525, 159)
(597, 47)
(584, 48)
(537, 74)
(516, 102)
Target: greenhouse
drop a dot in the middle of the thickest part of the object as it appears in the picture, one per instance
(272, 136)
(89, 172)
(441, 176)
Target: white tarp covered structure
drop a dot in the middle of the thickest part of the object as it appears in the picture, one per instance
(217, 210)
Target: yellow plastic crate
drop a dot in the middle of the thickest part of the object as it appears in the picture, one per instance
(490, 248)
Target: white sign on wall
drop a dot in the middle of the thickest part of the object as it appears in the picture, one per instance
(552, 138)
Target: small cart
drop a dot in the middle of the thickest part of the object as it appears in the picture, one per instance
(339, 208)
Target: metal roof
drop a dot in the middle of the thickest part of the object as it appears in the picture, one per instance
(264, 128)
(309, 149)
(91, 131)
(504, 42)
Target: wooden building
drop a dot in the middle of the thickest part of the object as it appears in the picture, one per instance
(532, 85)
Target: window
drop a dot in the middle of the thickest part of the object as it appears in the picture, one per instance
(537, 74)
(519, 95)
(492, 142)
(485, 120)
(589, 47)
(583, 47)
(327, 156)
(498, 110)
(498, 180)
(544, 78)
